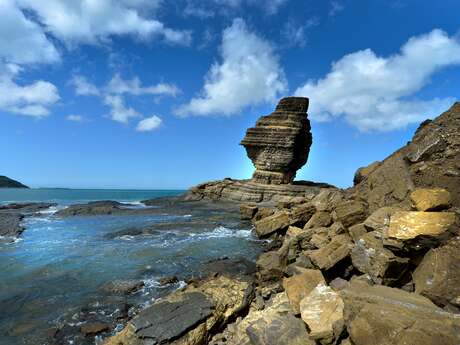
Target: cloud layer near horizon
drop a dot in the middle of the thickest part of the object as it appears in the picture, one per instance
(378, 93)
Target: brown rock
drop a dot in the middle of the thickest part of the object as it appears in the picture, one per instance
(301, 214)
(430, 160)
(350, 212)
(370, 257)
(263, 212)
(356, 231)
(94, 328)
(379, 220)
(322, 311)
(123, 287)
(187, 317)
(319, 219)
(248, 211)
(299, 286)
(410, 225)
(430, 199)
(274, 325)
(380, 315)
(362, 173)
(279, 143)
(326, 257)
(267, 226)
(438, 275)
(270, 266)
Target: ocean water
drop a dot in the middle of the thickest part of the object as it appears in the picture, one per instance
(54, 273)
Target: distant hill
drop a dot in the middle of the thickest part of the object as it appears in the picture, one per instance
(6, 182)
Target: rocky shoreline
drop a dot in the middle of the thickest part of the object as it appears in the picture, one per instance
(375, 264)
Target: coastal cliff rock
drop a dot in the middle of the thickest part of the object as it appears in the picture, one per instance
(6, 182)
(375, 264)
(279, 144)
(430, 160)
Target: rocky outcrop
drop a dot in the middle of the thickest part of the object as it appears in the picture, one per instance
(381, 315)
(6, 182)
(10, 227)
(438, 275)
(188, 317)
(279, 144)
(430, 160)
(251, 191)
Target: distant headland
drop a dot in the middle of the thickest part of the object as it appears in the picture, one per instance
(6, 182)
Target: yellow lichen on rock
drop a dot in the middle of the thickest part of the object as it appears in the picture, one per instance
(409, 225)
(429, 199)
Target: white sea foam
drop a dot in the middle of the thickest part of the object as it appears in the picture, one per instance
(222, 232)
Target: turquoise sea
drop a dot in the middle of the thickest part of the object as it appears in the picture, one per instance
(51, 278)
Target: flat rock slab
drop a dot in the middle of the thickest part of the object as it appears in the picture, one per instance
(380, 315)
(166, 321)
(409, 225)
(300, 285)
(322, 311)
(429, 199)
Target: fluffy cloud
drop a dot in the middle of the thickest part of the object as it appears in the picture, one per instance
(83, 87)
(113, 96)
(118, 110)
(90, 21)
(31, 100)
(249, 74)
(149, 124)
(377, 93)
(209, 8)
(117, 85)
(21, 40)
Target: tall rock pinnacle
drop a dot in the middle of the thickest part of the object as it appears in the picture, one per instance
(279, 144)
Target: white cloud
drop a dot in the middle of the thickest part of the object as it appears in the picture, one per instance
(33, 99)
(295, 34)
(336, 7)
(249, 74)
(149, 124)
(75, 118)
(21, 40)
(119, 112)
(91, 21)
(210, 8)
(83, 87)
(117, 85)
(378, 93)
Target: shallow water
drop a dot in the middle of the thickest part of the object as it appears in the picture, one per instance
(59, 265)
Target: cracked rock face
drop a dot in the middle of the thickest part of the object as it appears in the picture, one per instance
(279, 144)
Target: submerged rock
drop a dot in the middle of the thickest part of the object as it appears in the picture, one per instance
(279, 144)
(10, 226)
(123, 287)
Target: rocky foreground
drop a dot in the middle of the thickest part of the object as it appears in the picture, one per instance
(376, 264)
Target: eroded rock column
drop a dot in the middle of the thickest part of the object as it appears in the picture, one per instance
(279, 144)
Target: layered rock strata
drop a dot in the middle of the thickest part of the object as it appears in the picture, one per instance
(279, 144)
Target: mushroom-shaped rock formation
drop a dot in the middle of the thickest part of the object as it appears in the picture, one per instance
(279, 144)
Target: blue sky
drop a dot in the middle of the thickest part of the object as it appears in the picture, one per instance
(158, 94)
